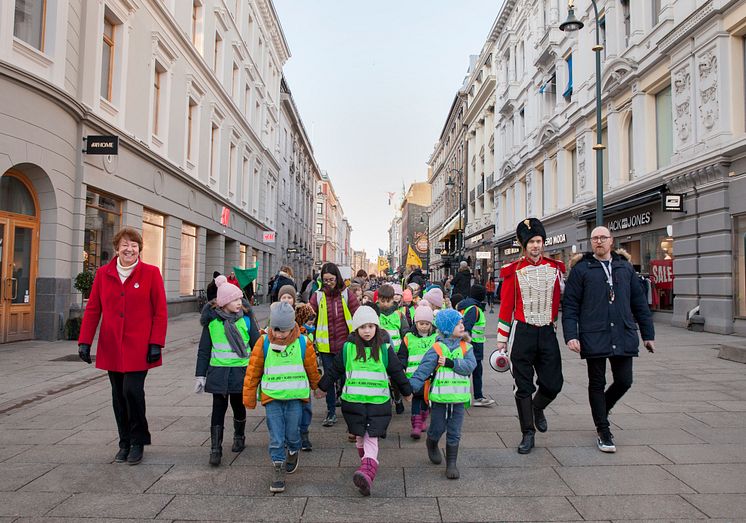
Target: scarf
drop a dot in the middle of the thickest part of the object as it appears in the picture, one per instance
(124, 272)
(231, 331)
(279, 346)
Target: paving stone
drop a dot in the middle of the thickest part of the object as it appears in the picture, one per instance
(373, 509)
(687, 454)
(118, 477)
(8, 451)
(625, 455)
(235, 508)
(711, 478)
(635, 507)
(98, 437)
(507, 508)
(621, 479)
(15, 475)
(85, 454)
(653, 421)
(46, 422)
(475, 440)
(172, 438)
(695, 395)
(112, 505)
(663, 406)
(712, 435)
(319, 457)
(47, 519)
(28, 503)
(33, 436)
(731, 506)
(721, 419)
(732, 406)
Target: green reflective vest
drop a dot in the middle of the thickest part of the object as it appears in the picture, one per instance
(322, 320)
(477, 331)
(222, 354)
(416, 349)
(448, 386)
(284, 376)
(366, 381)
(391, 323)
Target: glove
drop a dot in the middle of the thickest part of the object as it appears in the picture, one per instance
(199, 384)
(84, 352)
(449, 363)
(154, 353)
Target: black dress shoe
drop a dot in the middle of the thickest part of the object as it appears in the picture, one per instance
(135, 454)
(121, 456)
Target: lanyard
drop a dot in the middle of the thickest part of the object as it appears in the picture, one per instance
(609, 279)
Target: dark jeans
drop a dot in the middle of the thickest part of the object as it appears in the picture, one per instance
(536, 348)
(490, 299)
(128, 400)
(476, 376)
(603, 401)
(327, 360)
(446, 417)
(306, 416)
(418, 405)
(220, 407)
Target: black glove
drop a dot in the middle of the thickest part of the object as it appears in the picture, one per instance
(449, 363)
(84, 352)
(154, 353)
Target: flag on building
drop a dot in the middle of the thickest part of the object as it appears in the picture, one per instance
(225, 217)
(412, 259)
(380, 252)
(383, 264)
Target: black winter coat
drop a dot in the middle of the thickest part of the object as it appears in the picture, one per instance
(367, 417)
(605, 329)
(222, 380)
(417, 277)
(280, 281)
(461, 283)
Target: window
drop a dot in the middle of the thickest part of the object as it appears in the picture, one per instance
(153, 231)
(663, 127)
(740, 238)
(187, 267)
(245, 180)
(217, 53)
(627, 21)
(246, 101)
(568, 89)
(191, 128)
(214, 144)
(158, 75)
(630, 150)
(574, 172)
(655, 5)
(107, 58)
(602, 27)
(102, 221)
(242, 256)
(234, 82)
(319, 208)
(197, 24)
(656, 260)
(319, 228)
(232, 159)
(29, 23)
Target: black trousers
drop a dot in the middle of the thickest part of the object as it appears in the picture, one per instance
(602, 400)
(128, 400)
(536, 349)
(220, 407)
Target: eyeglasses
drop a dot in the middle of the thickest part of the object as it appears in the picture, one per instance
(333, 279)
(599, 239)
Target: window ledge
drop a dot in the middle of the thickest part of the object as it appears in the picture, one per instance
(157, 142)
(32, 53)
(109, 107)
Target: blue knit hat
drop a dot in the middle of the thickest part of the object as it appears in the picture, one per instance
(446, 320)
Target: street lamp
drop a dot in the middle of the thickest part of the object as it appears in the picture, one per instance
(570, 25)
(427, 236)
(451, 184)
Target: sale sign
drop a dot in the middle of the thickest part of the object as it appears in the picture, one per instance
(661, 273)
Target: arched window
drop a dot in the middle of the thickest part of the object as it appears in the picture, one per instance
(15, 196)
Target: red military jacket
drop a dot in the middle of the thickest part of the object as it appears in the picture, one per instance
(511, 300)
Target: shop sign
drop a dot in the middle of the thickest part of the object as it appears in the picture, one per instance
(556, 239)
(511, 251)
(484, 255)
(630, 222)
(661, 273)
(673, 203)
(101, 145)
(268, 236)
(476, 239)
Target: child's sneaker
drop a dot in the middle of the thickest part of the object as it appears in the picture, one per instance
(329, 421)
(278, 477)
(483, 402)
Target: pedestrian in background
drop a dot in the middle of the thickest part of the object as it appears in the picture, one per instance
(490, 288)
(283, 278)
(212, 288)
(129, 299)
(475, 322)
(462, 280)
(603, 301)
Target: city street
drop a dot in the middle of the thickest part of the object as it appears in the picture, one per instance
(679, 433)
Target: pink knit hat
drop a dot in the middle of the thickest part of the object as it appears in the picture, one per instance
(423, 313)
(434, 297)
(406, 296)
(227, 292)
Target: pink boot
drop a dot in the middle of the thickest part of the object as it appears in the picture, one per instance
(416, 426)
(365, 475)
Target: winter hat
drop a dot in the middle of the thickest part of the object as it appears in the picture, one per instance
(434, 297)
(415, 287)
(215, 274)
(364, 315)
(463, 265)
(227, 292)
(281, 316)
(288, 289)
(446, 320)
(406, 296)
(397, 289)
(530, 228)
(423, 313)
(478, 292)
(423, 303)
(370, 295)
(303, 312)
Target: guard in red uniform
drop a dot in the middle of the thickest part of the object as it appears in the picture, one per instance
(529, 304)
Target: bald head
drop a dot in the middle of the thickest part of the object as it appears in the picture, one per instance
(601, 242)
(601, 231)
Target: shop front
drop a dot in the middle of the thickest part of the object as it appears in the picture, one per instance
(507, 251)
(479, 254)
(560, 240)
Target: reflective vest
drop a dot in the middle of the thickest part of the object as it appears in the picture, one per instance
(366, 381)
(408, 312)
(391, 323)
(477, 331)
(448, 386)
(222, 354)
(322, 324)
(416, 349)
(284, 376)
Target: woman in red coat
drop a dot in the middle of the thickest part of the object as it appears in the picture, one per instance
(129, 298)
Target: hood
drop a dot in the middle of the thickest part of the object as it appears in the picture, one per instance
(286, 275)
(617, 254)
(468, 302)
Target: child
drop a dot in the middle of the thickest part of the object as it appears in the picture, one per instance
(408, 306)
(474, 324)
(368, 298)
(435, 298)
(413, 348)
(306, 321)
(357, 290)
(452, 361)
(397, 293)
(228, 331)
(395, 324)
(368, 361)
(275, 369)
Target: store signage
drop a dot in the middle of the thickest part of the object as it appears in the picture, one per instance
(268, 236)
(556, 239)
(484, 255)
(291, 250)
(511, 251)
(673, 203)
(630, 222)
(661, 273)
(101, 145)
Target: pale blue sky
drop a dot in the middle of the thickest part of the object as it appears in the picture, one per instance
(374, 81)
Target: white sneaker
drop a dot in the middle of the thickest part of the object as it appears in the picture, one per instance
(483, 402)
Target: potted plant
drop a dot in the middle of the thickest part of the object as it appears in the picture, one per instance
(84, 282)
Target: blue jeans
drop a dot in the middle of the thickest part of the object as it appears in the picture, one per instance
(306, 416)
(418, 405)
(327, 360)
(446, 416)
(476, 376)
(283, 418)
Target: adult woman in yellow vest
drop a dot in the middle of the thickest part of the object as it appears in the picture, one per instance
(367, 361)
(334, 307)
(452, 361)
(229, 330)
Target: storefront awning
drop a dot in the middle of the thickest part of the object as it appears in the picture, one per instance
(638, 200)
(449, 228)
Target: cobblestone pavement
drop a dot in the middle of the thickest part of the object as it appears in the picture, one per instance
(679, 432)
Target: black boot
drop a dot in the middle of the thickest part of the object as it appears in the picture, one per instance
(451, 457)
(239, 439)
(540, 402)
(526, 418)
(305, 442)
(216, 445)
(433, 452)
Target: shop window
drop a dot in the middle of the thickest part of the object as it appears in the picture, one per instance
(153, 232)
(657, 253)
(29, 23)
(102, 221)
(740, 224)
(242, 256)
(187, 268)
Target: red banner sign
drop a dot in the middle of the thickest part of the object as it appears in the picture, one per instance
(661, 273)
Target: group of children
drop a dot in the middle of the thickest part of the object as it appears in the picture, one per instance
(399, 348)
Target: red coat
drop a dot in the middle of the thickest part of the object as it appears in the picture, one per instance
(134, 316)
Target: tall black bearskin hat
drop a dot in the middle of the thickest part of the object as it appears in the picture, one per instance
(529, 228)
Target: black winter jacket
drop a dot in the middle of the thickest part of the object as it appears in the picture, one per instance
(367, 417)
(222, 380)
(461, 283)
(470, 318)
(605, 329)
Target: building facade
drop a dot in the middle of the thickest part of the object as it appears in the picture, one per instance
(333, 231)
(414, 223)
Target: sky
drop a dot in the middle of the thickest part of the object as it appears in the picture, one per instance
(373, 81)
